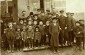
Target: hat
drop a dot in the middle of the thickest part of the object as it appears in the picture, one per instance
(61, 11)
(68, 13)
(54, 18)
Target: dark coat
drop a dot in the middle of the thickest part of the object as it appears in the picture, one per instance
(10, 34)
(70, 23)
(24, 35)
(79, 29)
(18, 34)
(62, 21)
(37, 35)
(54, 31)
(30, 34)
(42, 29)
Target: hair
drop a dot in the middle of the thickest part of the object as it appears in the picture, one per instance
(31, 13)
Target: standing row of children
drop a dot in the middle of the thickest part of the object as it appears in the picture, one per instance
(43, 29)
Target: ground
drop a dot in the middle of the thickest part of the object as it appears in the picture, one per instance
(62, 51)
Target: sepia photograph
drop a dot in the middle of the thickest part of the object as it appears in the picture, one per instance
(42, 27)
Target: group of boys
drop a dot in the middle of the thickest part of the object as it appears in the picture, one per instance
(44, 29)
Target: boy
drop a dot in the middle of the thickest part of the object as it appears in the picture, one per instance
(54, 31)
(11, 36)
(35, 24)
(24, 37)
(42, 30)
(18, 37)
(79, 35)
(30, 36)
(47, 34)
(37, 37)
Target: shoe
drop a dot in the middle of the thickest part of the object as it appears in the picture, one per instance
(54, 52)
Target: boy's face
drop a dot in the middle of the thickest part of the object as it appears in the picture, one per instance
(68, 15)
(77, 24)
(37, 29)
(35, 17)
(30, 27)
(21, 21)
(30, 22)
(10, 24)
(54, 21)
(40, 23)
(18, 29)
(82, 22)
(42, 14)
(35, 22)
(4, 31)
(47, 23)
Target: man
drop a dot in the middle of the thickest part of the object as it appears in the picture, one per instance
(62, 23)
(70, 27)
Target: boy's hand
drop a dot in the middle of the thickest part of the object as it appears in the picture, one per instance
(65, 27)
(46, 35)
(78, 32)
(60, 28)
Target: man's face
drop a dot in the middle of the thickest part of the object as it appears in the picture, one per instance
(68, 15)
(23, 13)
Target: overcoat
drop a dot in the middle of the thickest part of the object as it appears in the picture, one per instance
(70, 23)
(10, 34)
(54, 31)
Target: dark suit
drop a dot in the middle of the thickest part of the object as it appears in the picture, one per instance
(70, 27)
(62, 23)
(54, 31)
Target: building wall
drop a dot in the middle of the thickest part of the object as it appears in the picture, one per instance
(23, 5)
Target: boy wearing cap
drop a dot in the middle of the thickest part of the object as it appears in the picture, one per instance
(54, 31)
(11, 36)
(79, 30)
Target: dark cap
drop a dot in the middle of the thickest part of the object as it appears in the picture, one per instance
(61, 11)
(68, 13)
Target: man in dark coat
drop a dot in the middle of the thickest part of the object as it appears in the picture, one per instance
(70, 27)
(62, 22)
(54, 31)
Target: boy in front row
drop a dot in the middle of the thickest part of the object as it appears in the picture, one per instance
(54, 31)
(11, 36)
(79, 35)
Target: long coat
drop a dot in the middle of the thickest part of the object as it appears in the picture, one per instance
(42, 29)
(79, 29)
(11, 34)
(70, 23)
(62, 21)
(54, 31)
(37, 36)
